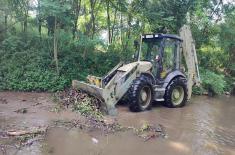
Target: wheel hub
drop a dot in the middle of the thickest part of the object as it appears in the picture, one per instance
(144, 95)
(177, 95)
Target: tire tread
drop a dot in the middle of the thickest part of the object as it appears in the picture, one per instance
(179, 80)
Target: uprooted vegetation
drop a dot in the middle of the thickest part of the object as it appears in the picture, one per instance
(78, 101)
(146, 131)
(90, 107)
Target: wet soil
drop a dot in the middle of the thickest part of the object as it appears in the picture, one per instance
(204, 126)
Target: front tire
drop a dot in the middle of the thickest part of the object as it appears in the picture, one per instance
(141, 94)
(176, 93)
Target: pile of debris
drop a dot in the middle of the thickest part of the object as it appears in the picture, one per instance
(86, 104)
(150, 131)
(90, 107)
(145, 132)
(91, 124)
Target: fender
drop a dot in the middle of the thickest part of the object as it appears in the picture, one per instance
(150, 75)
(171, 76)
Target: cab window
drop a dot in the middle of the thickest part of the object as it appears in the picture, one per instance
(169, 55)
(150, 50)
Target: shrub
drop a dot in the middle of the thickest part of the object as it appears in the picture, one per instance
(212, 82)
(27, 64)
(36, 80)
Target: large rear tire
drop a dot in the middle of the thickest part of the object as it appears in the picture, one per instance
(176, 93)
(141, 94)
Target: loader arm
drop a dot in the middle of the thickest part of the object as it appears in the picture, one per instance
(115, 89)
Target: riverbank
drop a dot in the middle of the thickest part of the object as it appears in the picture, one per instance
(203, 126)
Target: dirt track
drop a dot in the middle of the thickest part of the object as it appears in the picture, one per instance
(204, 126)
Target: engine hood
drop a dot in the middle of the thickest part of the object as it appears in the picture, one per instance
(143, 66)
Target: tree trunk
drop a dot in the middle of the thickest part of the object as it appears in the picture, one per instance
(129, 26)
(114, 23)
(39, 18)
(128, 33)
(56, 47)
(25, 23)
(40, 27)
(92, 5)
(5, 22)
(108, 22)
(77, 4)
(121, 25)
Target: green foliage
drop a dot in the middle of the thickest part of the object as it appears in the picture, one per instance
(198, 90)
(212, 57)
(227, 38)
(12, 44)
(28, 65)
(27, 56)
(36, 81)
(85, 108)
(230, 84)
(212, 82)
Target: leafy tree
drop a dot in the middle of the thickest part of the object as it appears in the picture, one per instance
(57, 13)
(63, 39)
(227, 37)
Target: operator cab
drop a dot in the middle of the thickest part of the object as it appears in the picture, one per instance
(163, 51)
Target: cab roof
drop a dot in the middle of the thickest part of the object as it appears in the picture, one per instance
(160, 36)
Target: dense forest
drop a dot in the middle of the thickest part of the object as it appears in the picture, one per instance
(44, 44)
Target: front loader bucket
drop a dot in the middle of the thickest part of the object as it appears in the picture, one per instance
(108, 104)
(91, 89)
(112, 87)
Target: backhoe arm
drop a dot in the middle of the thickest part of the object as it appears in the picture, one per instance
(190, 55)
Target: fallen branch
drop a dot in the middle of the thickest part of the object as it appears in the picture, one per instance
(23, 132)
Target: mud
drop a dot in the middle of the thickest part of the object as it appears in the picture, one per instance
(205, 126)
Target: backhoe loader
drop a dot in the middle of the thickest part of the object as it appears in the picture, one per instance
(156, 74)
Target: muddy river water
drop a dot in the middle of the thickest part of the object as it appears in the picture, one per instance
(205, 126)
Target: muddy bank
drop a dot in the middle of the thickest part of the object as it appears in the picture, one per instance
(25, 112)
(205, 126)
